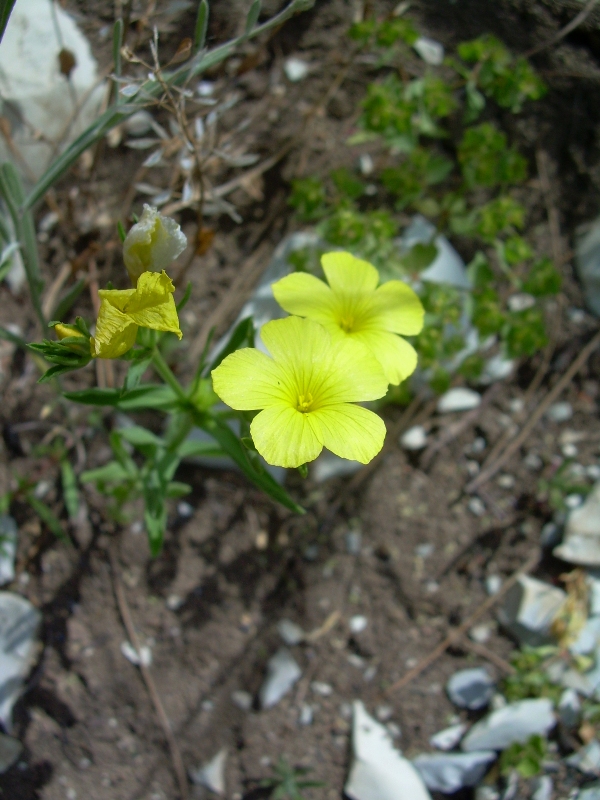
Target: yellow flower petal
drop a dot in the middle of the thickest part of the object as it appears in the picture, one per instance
(306, 296)
(351, 431)
(63, 331)
(397, 308)
(152, 304)
(397, 357)
(248, 379)
(115, 332)
(152, 244)
(284, 437)
(349, 275)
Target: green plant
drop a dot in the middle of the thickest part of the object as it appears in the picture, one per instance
(287, 782)
(530, 678)
(438, 159)
(525, 758)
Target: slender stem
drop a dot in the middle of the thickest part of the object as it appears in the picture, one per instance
(163, 369)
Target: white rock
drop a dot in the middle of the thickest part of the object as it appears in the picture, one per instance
(40, 95)
(365, 164)
(414, 438)
(471, 688)
(384, 713)
(476, 506)
(458, 399)
(282, 674)
(529, 609)
(487, 793)
(520, 302)
(241, 699)
(449, 772)
(448, 267)
(19, 647)
(296, 69)
(10, 750)
(8, 548)
(587, 262)
(448, 738)
(573, 501)
(185, 510)
(212, 774)
(514, 723)
(323, 689)
(139, 123)
(481, 633)
(587, 758)
(590, 793)
(144, 656)
(306, 715)
(431, 52)
(378, 771)
(357, 623)
(581, 543)
(593, 471)
(593, 584)
(493, 584)
(569, 708)
(588, 639)
(291, 633)
(543, 788)
(560, 412)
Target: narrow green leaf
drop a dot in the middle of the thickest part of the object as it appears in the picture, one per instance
(70, 490)
(177, 489)
(112, 472)
(196, 449)
(201, 26)
(141, 437)
(66, 302)
(48, 517)
(161, 398)
(252, 17)
(6, 7)
(136, 371)
(117, 67)
(230, 443)
(11, 189)
(11, 337)
(184, 300)
(121, 231)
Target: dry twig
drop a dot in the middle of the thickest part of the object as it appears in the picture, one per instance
(569, 28)
(457, 634)
(178, 766)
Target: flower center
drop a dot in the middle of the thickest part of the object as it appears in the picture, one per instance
(305, 401)
(347, 323)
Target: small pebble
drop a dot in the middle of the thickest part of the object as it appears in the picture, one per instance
(448, 738)
(365, 164)
(516, 405)
(185, 510)
(306, 715)
(549, 535)
(576, 315)
(424, 550)
(312, 552)
(353, 542)
(384, 713)
(394, 730)
(476, 506)
(174, 602)
(370, 673)
(479, 445)
(323, 689)
(593, 472)
(493, 584)
(560, 412)
(291, 633)
(473, 468)
(356, 661)
(414, 438)
(345, 711)
(458, 399)
(533, 462)
(357, 623)
(569, 450)
(480, 633)
(573, 500)
(243, 700)
(131, 654)
(295, 69)
(205, 88)
(431, 52)
(520, 302)
(506, 481)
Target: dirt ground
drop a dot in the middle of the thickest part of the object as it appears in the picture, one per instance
(417, 557)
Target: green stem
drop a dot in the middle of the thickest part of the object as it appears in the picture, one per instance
(163, 369)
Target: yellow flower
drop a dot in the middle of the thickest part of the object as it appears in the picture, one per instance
(306, 391)
(152, 244)
(63, 331)
(122, 311)
(352, 306)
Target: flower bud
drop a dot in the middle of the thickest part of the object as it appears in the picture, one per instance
(63, 331)
(152, 244)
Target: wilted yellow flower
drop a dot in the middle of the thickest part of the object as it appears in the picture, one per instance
(307, 391)
(122, 311)
(152, 244)
(354, 307)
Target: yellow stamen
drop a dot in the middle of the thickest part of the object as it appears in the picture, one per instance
(305, 401)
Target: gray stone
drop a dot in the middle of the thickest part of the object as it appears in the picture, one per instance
(560, 412)
(296, 69)
(431, 52)
(243, 700)
(8, 548)
(212, 774)
(587, 262)
(543, 788)
(378, 771)
(10, 750)
(581, 544)
(282, 674)
(290, 632)
(514, 723)
(448, 738)
(449, 772)
(529, 609)
(19, 648)
(458, 399)
(590, 792)
(586, 759)
(414, 438)
(588, 639)
(569, 708)
(471, 688)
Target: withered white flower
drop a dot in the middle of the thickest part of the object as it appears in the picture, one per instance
(152, 244)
